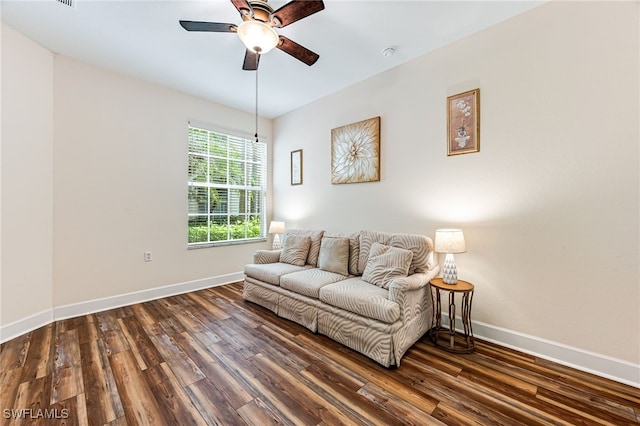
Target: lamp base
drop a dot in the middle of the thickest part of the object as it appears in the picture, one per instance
(276, 242)
(449, 270)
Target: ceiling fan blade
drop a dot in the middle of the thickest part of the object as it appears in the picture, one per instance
(251, 60)
(215, 27)
(243, 7)
(294, 11)
(297, 51)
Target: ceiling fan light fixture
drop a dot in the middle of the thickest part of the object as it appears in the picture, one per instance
(258, 36)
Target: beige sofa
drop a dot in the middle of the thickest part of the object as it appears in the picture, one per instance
(368, 290)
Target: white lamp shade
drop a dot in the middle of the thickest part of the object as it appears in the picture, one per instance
(276, 227)
(450, 241)
(258, 36)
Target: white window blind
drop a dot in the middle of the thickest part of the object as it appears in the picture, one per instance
(227, 188)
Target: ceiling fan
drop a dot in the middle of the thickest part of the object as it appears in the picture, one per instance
(257, 29)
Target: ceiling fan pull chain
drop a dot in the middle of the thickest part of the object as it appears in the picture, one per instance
(256, 135)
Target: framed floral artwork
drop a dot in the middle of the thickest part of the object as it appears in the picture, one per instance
(296, 167)
(463, 122)
(355, 152)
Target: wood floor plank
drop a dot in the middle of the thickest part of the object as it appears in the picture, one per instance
(274, 393)
(120, 421)
(457, 392)
(231, 385)
(184, 368)
(257, 413)
(174, 402)
(202, 300)
(88, 329)
(210, 357)
(10, 381)
(66, 378)
(141, 345)
(39, 355)
(101, 395)
(31, 397)
(347, 395)
(14, 352)
(540, 376)
(398, 407)
(142, 315)
(496, 378)
(299, 390)
(196, 328)
(211, 404)
(70, 412)
(599, 385)
(373, 373)
(81, 417)
(583, 410)
(139, 402)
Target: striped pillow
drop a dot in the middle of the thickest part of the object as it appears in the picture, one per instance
(295, 250)
(314, 247)
(385, 263)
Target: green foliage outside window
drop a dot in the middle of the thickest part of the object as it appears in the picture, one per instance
(198, 233)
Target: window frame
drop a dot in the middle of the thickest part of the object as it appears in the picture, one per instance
(251, 200)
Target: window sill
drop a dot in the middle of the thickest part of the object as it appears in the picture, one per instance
(197, 246)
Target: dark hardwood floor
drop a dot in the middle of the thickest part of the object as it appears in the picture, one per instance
(209, 357)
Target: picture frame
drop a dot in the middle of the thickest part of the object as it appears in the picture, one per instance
(296, 167)
(463, 123)
(355, 152)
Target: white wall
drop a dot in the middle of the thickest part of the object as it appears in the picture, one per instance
(27, 190)
(120, 185)
(550, 204)
(94, 173)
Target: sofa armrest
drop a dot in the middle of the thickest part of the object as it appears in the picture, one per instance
(266, 256)
(411, 282)
(412, 293)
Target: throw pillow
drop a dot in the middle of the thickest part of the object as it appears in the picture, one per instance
(334, 255)
(386, 263)
(314, 248)
(295, 250)
(354, 249)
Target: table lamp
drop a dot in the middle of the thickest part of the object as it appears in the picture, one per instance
(276, 228)
(449, 241)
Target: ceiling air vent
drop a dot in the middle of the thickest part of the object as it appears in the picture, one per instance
(70, 3)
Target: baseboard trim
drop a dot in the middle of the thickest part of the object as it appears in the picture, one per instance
(590, 362)
(26, 325)
(98, 305)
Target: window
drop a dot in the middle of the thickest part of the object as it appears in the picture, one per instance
(227, 188)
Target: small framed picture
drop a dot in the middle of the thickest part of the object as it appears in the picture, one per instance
(296, 167)
(463, 122)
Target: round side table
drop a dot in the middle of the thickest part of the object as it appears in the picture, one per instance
(448, 338)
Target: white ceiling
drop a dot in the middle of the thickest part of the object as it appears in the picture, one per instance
(144, 39)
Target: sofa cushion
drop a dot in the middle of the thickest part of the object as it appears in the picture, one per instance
(386, 263)
(309, 281)
(271, 272)
(360, 297)
(314, 250)
(334, 255)
(295, 250)
(420, 245)
(354, 249)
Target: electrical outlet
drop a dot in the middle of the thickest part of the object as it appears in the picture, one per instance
(147, 256)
